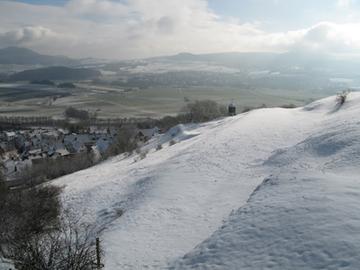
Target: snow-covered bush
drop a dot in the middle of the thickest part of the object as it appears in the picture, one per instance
(143, 154)
(341, 97)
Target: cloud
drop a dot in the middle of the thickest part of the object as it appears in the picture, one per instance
(329, 37)
(26, 35)
(142, 28)
(344, 3)
(166, 25)
(97, 7)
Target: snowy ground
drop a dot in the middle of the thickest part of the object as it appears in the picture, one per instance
(206, 196)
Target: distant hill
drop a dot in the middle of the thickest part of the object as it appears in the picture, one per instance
(23, 56)
(55, 73)
(308, 61)
(233, 59)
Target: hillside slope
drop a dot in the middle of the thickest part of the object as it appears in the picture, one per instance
(55, 73)
(23, 56)
(305, 214)
(179, 196)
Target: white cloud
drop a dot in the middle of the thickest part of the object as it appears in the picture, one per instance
(141, 28)
(345, 3)
(25, 35)
(97, 7)
(329, 37)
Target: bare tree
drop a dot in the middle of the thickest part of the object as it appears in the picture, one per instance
(71, 112)
(341, 97)
(35, 234)
(204, 110)
(125, 142)
(26, 212)
(67, 246)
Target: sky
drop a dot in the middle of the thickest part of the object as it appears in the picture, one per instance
(126, 29)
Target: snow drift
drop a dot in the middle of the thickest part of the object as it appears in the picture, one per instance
(203, 202)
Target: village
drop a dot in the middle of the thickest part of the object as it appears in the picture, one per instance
(23, 149)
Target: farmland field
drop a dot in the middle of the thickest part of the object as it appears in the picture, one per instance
(33, 100)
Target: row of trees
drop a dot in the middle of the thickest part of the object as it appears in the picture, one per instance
(194, 112)
(16, 122)
(49, 168)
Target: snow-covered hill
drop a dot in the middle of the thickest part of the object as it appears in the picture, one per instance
(269, 189)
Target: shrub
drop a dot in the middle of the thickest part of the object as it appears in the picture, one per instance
(248, 109)
(27, 212)
(66, 85)
(341, 97)
(168, 122)
(71, 112)
(33, 234)
(53, 168)
(143, 154)
(198, 111)
(159, 147)
(78, 127)
(67, 246)
(145, 124)
(172, 142)
(24, 214)
(205, 110)
(125, 142)
(288, 106)
(3, 188)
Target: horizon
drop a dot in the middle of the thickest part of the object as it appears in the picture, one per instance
(342, 57)
(134, 29)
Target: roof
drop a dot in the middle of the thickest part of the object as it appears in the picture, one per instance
(10, 133)
(35, 151)
(62, 152)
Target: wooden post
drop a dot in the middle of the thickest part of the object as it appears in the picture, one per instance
(98, 259)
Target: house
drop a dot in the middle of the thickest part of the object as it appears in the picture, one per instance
(52, 136)
(35, 154)
(63, 131)
(10, 135)
(97, 130)
(62, 152)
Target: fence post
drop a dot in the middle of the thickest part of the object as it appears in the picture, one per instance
(98, 258)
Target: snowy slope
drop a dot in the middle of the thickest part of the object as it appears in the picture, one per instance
(178, 197)
(306, 213)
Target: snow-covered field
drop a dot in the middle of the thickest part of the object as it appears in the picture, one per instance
(269, 189)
